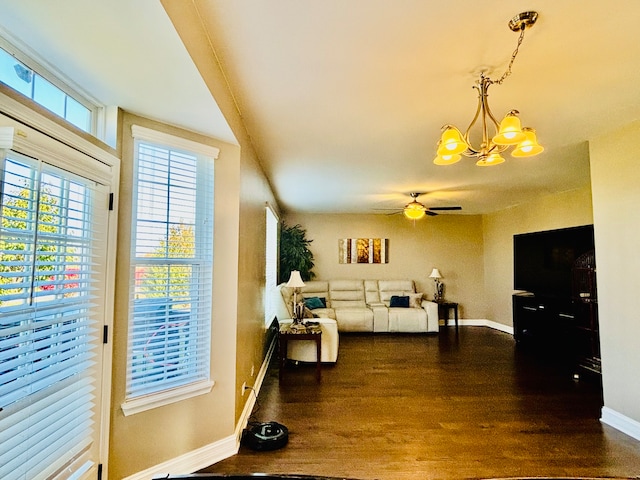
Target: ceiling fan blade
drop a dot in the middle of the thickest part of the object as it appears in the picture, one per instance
(445, 208)
(430, 213)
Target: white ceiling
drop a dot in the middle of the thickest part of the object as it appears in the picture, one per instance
(344, 99)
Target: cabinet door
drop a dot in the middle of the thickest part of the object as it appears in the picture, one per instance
(526, 319)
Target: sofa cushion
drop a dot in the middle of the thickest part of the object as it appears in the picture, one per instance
(325, 313)
(407, 320)
(347, 294)
(315, 302)
(388, 288)
(354, 319)
(399, 301)
(371, 292)
(415, 300)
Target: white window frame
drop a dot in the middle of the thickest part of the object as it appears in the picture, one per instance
(135, 403)
(271, 263)
(24, 55)
(32, 134)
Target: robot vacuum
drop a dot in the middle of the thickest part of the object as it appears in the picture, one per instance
(265, 436)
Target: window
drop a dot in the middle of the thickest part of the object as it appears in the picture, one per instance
(171, 269)
(271, 256)
(23, 79)
(52, 264)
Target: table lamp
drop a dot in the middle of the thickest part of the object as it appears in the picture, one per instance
(439, 286)
(295, 282)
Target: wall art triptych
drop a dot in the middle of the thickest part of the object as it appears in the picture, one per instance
(363, 250)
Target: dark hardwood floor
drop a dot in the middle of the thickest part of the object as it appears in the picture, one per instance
(442, 406)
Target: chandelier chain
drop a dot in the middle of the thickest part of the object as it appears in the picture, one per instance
(513, 57)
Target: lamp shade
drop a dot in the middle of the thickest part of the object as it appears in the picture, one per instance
(414, 211)
(491, 160)
(452, 142)
(435, 273)
(447, 159)
(510, 132)
(529, 146)
(295, 280)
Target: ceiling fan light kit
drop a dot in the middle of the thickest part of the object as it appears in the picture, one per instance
(453, 143)
(415, 210)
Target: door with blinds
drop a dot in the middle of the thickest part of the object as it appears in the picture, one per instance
(52, 281)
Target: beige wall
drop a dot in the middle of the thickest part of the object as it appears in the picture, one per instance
(615, 171)
(254, 195)
(567, 209)
(452, 243)
(145, 439)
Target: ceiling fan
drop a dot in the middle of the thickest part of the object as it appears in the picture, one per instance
(415, 210)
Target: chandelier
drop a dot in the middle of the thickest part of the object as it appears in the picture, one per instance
(508, 132)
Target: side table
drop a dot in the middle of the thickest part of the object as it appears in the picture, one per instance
(293, 332)
(443, 311)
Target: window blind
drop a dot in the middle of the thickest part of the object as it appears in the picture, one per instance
(51, 265)
(171, 275)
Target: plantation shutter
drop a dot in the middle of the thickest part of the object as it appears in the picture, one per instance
(52, 258)
(172, 263)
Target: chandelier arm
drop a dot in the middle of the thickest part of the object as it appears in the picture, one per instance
(482, 112)
(467, 132)
(496, 123)
(492, 147)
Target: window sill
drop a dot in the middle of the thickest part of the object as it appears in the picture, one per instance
(160, 399)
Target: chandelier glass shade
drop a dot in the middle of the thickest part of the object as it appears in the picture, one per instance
(453, 144)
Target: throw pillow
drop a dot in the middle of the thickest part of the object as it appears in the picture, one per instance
(415, 300)
(399, 301)
(313, 302)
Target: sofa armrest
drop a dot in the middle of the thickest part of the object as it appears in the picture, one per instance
(433, 322)
(375, 304)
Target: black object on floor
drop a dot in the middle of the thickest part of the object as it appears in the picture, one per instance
(265, 436)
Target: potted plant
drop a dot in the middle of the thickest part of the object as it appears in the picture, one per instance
(295, 253)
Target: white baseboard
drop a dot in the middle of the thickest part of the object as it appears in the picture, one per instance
(620, 422)
(253, 395)
(215, 452)
(191, 461)
(481, 322)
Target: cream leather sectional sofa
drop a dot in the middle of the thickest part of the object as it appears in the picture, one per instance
(366, 305)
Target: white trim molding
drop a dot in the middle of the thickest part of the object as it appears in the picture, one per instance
(191, 461)
(177, 142)
(620, 422)
(481, 322)
(253, 395)
(165, 397)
